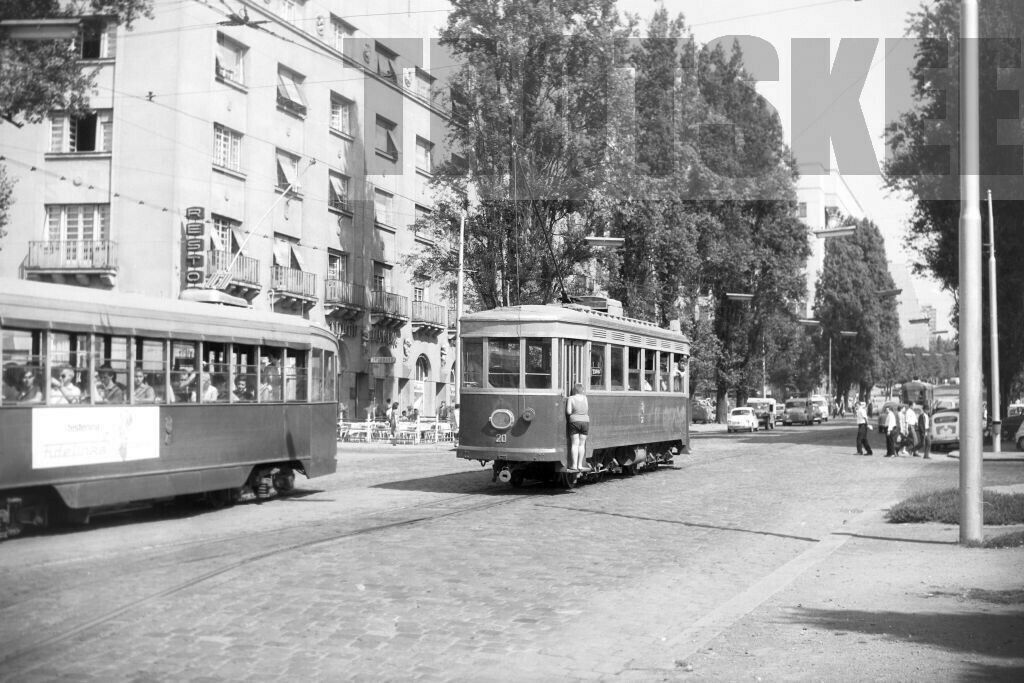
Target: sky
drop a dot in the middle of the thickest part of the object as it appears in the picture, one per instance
(779, 23)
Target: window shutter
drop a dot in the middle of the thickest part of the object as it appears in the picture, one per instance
(111, 51)
(58, 126)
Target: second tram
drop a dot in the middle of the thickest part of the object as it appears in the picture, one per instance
(519, 365)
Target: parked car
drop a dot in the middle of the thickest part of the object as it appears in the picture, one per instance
(742, 420)
(764, 408)
(798, 411)
(780, 411)
(819, 406)
(1009, 427)
(945, 430)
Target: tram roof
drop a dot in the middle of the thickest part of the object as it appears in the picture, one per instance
(555, 314)
(83, 309)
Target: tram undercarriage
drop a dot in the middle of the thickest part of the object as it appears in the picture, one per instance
(627, 460)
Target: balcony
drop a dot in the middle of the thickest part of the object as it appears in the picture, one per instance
(344, 300)
(430, 318)
(293, 288)
(343, 328)
(240, 277)
(82, 262)
(388, 309)
(291, 106)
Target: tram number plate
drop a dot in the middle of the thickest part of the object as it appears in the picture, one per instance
(501, 438)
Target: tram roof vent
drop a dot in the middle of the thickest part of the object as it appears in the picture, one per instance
(600, 303)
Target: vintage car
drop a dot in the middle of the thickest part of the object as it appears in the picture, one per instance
(819, 405)
(945, 430)
(798, 411)
(742, 420)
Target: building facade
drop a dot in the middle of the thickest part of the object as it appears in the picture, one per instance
(277, 155)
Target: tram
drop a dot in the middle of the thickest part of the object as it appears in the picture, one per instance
(113, 399)
(519, 365)
(918, 393)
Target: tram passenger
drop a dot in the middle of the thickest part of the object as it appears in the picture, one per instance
(10, 383)
(107, 390)
(242, 391)
(143, 393)
(62, 388)
(578, 411)
(29, 391)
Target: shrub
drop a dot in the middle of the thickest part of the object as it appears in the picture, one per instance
(944, 506)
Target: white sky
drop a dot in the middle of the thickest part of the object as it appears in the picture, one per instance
(780, 21)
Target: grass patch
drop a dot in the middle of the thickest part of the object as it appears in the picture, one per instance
(1011, 540)
(944, 507)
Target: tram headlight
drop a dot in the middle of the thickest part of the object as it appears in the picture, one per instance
(502, 418)
(529, 414)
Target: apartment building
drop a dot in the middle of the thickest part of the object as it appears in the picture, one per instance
(268, 153)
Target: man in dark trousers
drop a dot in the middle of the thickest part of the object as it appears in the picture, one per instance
(863, 447)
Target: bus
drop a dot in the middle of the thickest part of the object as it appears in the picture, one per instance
(111, 399)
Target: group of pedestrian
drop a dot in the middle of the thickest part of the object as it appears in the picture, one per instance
(907, 431)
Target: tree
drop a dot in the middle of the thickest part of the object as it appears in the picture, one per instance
(923, 160)
(853, 275)
(40, 76)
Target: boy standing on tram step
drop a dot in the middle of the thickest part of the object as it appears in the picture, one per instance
(863, 447)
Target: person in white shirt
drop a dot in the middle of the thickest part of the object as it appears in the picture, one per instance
(863, 447)
(891, 432)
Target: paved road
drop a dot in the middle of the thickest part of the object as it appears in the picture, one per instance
(409, 564)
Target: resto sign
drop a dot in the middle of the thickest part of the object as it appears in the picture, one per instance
(194, 248)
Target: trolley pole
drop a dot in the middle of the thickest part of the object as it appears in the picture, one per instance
(971, 444)
(993, 331)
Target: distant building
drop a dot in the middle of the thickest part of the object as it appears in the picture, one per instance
(278, 154)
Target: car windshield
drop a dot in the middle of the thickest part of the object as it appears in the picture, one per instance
(741, 411)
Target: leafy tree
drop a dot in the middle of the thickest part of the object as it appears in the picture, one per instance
(923, 161)
(853, 274)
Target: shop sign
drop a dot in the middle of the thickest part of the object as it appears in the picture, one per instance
(194, 245)
(381, 360)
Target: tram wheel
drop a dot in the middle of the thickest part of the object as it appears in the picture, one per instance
(517, 478)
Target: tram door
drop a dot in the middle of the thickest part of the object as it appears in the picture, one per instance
(574, 364)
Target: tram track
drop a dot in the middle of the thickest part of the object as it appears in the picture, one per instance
(39, 647)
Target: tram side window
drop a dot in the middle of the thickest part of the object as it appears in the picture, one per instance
(295, 375)
(617, 368)
(472, 364)
(597, 366)
(679, 374)
(110, 359)
(663, 375)
(538, 363)
(271, 375)
(243, 360)
(184, 372)
(150, 379)
(330, 376)
(634, 355)
(316, 374)
(650, 382)
(214, 376)
(503, 363)
(69, 366)
(22, 367)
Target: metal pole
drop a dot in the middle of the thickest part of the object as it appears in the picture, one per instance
(764, 372)
(828, 384)
(993, 330)
(970, 281)
(458, 310)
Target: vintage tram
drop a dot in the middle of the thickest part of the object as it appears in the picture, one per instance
(518, 367)
(112, 399)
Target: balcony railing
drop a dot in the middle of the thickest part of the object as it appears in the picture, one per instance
(244, 269)
(290, 106)
(342, 293)
(294, 282)
(76, 255)
(389, 304)
(430, 314)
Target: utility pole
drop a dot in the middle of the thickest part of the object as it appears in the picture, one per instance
(970, 281)
(993, 333)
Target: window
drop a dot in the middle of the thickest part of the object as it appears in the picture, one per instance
(74, 222)
(538, 363)
(385, 139)
(801, 210)
(289, 92)
(223, 235)
(472, 363)
(383, 207)
(597, 366)
(649, 380)
(97, 39)
(417, 294)
(381, 277)
(424, 151)
(424, 82)
(341, 114)
(340, 30)
(90, 133)
(337, 267)
(386, 63)
(287, 172)
(227, 148)
(503, 363)
(286, 253)
(230, 60)
(460, 105)
(617, 368)
(337, 191)
(634, 368)
(289, 10)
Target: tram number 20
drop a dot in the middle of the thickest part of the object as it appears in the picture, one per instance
(501, 438)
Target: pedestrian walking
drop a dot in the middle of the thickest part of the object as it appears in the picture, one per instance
(924, 425)
(393, 423)
(892, 431)
(902, 438)
(863, 447)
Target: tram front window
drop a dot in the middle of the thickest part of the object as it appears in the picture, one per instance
(503, 363)
(472, 364)
(538, 363)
